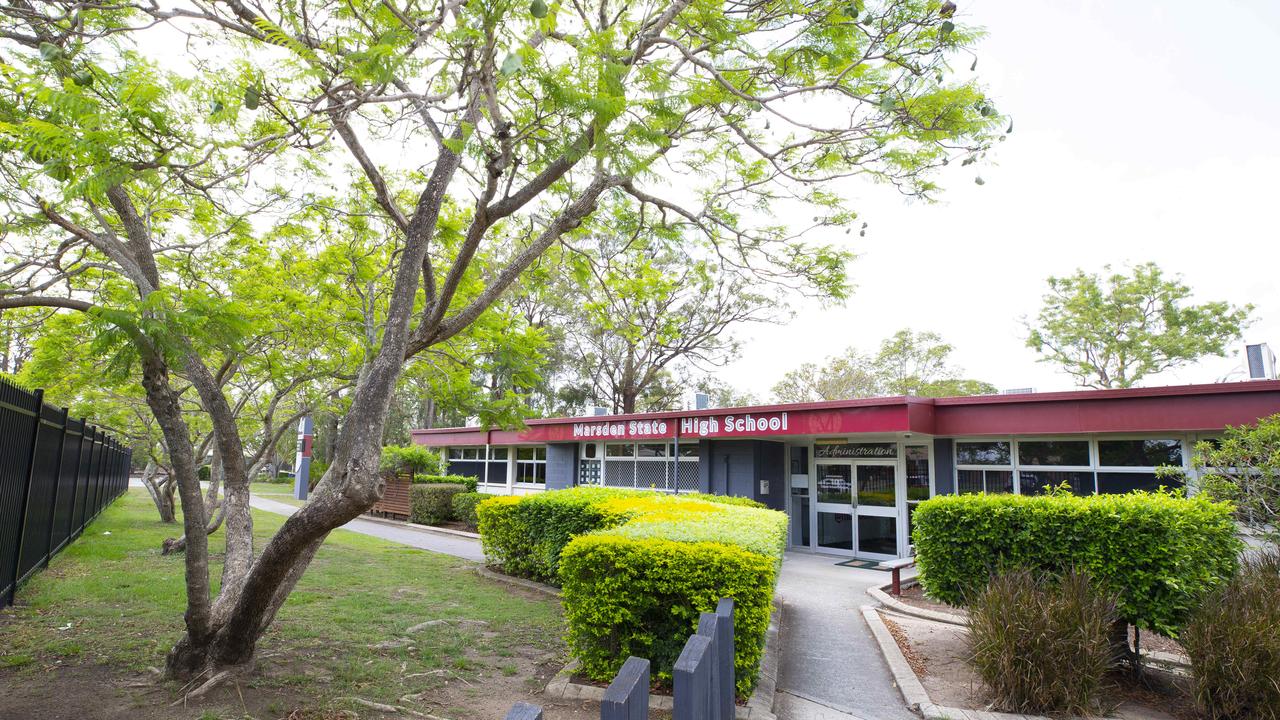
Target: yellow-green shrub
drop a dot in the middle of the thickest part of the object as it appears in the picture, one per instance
(637, 568)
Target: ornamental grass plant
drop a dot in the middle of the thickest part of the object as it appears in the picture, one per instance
(1041, 643)
(1233, 642)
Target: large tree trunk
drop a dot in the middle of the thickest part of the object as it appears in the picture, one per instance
(352, 484)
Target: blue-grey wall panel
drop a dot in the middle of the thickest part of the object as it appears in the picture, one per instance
(771, 466)
(944, 466)
(562, 465)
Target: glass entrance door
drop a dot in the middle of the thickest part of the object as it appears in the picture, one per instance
(833, 507)
(876, 510)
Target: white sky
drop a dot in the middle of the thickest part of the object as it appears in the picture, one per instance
(1142, 131)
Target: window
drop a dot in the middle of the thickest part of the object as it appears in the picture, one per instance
(984, 466)
(651, 466)
(917, 473)
(651, 450)
(455, 453)
(983, 453)
(1124, 482)
(987, 481)
(1148, 453)
(1069, 453)
(1036, 482)
(620, 450)
(531, 465)
(496, 469)
(589, 451)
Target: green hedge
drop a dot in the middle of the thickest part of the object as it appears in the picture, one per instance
(523, 536)
(464, 506)
(466, 481)
(432, 503)
(1156, 552)
(637, 568)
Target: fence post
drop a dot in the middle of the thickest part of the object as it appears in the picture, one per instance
(628, 695)
(727, 656)
(708, 627)
(524, 711)
(693, 680)
(26, 498)
(57, 480)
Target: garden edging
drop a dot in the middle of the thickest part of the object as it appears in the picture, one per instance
(758, 707)
(913, 692)
(884, 598)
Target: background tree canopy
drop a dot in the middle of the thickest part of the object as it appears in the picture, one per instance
(1112, 332)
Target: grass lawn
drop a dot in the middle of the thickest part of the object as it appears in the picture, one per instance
(85, 632)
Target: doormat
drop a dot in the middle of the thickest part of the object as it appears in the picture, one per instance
(862, 565)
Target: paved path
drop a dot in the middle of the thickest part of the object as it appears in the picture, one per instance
(831, 667)
(462, 547)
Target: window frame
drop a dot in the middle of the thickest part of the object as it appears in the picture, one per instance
(535, 461)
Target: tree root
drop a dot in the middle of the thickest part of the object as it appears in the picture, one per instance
(383, 707)
(213, 682)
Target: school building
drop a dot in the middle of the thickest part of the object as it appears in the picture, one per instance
(849, 473)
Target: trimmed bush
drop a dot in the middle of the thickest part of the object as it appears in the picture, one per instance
(524, 536)
(1156, 552)
(432, 503)
(466, 481)
(1233, 641)
(637, 568)
(464, 507)
(412, 459)
(1042, 644)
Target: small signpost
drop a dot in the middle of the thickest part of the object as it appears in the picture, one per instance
(302, 461)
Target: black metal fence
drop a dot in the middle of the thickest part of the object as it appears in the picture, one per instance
(704, 687)
(56, 475)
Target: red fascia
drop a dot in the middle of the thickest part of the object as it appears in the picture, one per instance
(1183, 408)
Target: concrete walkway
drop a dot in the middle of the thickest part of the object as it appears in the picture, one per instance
(462, 547)
(830, 665)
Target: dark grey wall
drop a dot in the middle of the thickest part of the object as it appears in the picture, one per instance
(562, 465)
(944, 466)
(733, 467)
(704, 466)
(771, 465)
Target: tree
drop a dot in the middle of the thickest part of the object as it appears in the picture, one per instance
(1243, 466)
(644, 315)
(1112, 332)
(909, 363)
(509, 125)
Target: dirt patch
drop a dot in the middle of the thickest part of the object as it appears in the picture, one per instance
(949, 678)
(1154, 642)
(915, 597)
(287, 685)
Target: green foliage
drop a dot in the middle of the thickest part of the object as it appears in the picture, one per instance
(1113, 332)
(204, 472)
(1243, 467)
(1233, 642)
(415, 459)
(466, 481)
(432, 503)
(909, 363)
(638, 567)
(1158, 553)
(524, 536)
(464, 507)
(1042, 644)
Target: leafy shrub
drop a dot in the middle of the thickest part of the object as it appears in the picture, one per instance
(523, 536)
(1233, 641)
(464, 507)
(432, 503)
(637, 568)
(1042, 644)
(1157, 553)
(412, 459)
(1243, 466)
(204, 473)
(466, 481)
